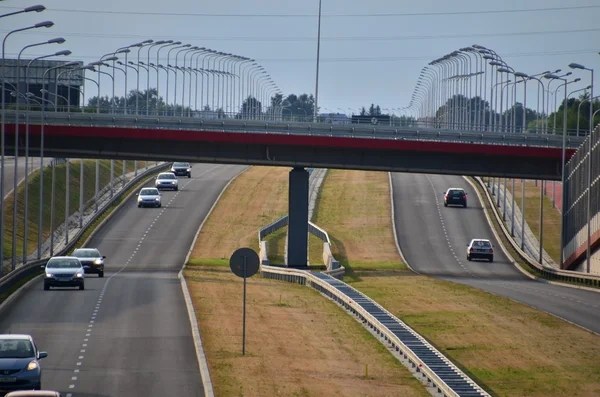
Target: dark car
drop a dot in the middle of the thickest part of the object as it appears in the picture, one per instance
(19, 363)
(455, 196)
(184, 169)
(64, 271)
(91, 260)
(480, 249)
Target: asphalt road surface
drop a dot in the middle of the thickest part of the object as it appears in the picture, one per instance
(127, 334)
(433, 239)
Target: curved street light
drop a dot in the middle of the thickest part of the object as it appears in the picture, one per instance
(45, 24)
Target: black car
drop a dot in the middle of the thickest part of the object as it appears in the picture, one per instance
(91, 260)
(182, 169)
(455, 196)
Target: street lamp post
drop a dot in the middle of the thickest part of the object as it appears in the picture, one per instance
(589, 161)
(563, 176)
(52, 198)
(137, 94)
(58, 40)
(316, 109)
(45, 24)
(40, 215)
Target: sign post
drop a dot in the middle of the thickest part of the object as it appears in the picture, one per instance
(244, 263)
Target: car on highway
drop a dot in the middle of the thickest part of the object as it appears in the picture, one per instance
(480, 249)
(166, 180)
(91, 260)
(184, 169)
(19, 363)
(64, 271)
(455, 196)
(148, 197)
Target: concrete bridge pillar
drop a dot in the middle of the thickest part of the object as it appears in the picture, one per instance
(298, 218)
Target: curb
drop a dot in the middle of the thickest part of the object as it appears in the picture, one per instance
(200, 355)
(18, 292)
(394, 227)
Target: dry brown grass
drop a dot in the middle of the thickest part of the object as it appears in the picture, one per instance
(507, 347)
(257, 199)
(297, 342)
(532, 216)
(363, 237)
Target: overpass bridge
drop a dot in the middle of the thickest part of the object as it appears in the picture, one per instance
(296, 145)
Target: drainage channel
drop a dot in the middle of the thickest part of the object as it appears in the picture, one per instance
(453, 377)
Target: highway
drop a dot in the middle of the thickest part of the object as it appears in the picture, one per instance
(433, 240)
(127, 334)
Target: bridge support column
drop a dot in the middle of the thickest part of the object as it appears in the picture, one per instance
(298, 218)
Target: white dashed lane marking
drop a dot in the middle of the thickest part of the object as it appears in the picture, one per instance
(437, 203)
(506, 285)
(101, 296)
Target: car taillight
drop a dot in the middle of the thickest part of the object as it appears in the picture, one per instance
(446, 197)
(464, 197)
(470, 249)
(491, 250)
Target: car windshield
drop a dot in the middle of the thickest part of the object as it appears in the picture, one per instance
(167, 176)
(89, 253)
(181, 165)
(457, 192)
(16, 348)
(149, 192)
(63, 264)
(481, 244)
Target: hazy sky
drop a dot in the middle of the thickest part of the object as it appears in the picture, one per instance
(364, 59)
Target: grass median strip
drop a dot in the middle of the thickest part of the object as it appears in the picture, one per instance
(508, 348)
(298, 342)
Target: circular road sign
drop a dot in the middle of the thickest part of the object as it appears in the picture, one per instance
(236, 262)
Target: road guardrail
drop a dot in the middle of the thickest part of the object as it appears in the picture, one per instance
(591, 280)
(26, 271)
(332, 264)
(296, 128)
(430, 366)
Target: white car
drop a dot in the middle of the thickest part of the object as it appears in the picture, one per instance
(166, 180)
(63, 271)
(149, 197)
(480, 248)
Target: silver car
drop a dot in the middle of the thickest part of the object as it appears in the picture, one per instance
(64, 271)
(480, 249)
(148, 197)
(166, 180)
(19, 363)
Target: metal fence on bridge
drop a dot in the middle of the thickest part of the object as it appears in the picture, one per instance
(578, 191)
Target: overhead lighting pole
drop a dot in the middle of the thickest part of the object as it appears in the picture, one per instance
(45, 24)
(589, 161)
(316, 109)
